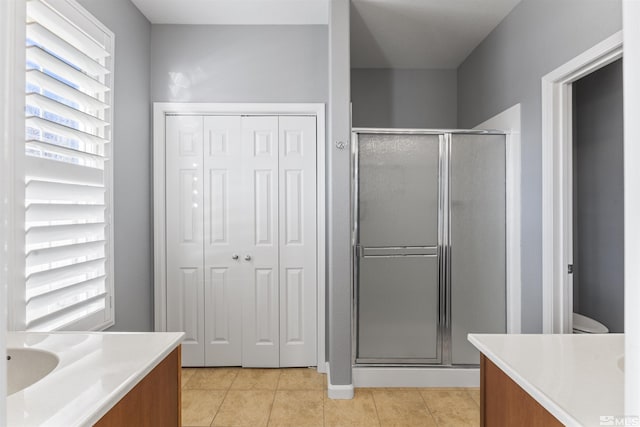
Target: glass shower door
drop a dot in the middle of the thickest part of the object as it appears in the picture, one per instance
(398, 210)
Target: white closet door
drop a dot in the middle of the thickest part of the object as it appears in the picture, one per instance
(184, 215)
(224, 219)
(260, 308)
(297, 240)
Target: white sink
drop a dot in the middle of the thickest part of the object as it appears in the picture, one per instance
(25, 366)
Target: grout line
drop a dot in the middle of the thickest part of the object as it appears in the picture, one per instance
(275, 392)
(471, 396)
(426, 405)
(375, 406)
(324, 392)
(226, 392)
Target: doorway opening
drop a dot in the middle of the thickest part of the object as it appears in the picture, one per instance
(598, 201)
(558, 178)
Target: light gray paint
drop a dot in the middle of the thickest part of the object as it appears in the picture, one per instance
(599, 188)
(421, 33)
(392, 98)
(244, 63)
(338, 196)
(506, 69)
(132, 163)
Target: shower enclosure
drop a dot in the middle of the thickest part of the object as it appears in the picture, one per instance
(429, 236)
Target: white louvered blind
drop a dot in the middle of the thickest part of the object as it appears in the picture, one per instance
(67, 168)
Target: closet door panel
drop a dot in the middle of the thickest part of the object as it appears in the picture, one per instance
(223, 240)
(297, 240)
(184, 216)
(260, 313)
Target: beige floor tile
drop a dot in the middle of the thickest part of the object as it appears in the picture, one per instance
(256, 379)
(301, 379)
(373, 388)
(297, 408)
(187, 373)
(200, 406)
(475, 394)
(249, 408)
(401, 408)
(357, 412)
(452, 408)
(212, 378)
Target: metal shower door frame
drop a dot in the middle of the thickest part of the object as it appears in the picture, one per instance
(443, 251)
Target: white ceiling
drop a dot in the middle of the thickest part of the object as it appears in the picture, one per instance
(235, 12)
(384, 33)
(421, 33)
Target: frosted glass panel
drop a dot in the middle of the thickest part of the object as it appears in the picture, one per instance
(478, 235)
(398, 190)
(398, 315)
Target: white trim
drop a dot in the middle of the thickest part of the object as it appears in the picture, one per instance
(15, 170)
(12, 29)
(415, 377)
(160, 111)
(509, 121)
(631, 18)
(557, 303)
(338, 392)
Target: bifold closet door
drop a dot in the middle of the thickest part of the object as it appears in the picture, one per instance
(184, 235)
(260, 306)
(297, 240)
(224, 240)
(241, 239)
(478, 241)
(279, 298)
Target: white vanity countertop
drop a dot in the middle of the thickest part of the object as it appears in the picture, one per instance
(95, 371)
(575, 377)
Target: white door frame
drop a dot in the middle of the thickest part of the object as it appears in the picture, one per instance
(557, 233)
(160, 111)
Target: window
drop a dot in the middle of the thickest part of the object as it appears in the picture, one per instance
(68, 172)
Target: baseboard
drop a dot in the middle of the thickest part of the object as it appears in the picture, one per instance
(415, 377)
(343, 392)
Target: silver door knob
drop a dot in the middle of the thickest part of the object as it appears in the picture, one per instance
(247, 257)
(235, 257)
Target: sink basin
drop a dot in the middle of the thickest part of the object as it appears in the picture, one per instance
(26, 366)
(621, 363)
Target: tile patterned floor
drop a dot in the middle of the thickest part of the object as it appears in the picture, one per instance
(229, 397)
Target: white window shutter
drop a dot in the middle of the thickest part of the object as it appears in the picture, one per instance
(68, 171)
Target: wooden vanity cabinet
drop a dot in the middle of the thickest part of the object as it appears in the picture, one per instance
(503, 403)
(153, 402)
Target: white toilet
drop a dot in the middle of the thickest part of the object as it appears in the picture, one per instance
(586, 325)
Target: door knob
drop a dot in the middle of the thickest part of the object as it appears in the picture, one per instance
(247, 257)
(235, 257)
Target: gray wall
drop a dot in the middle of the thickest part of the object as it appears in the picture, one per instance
(338, 197)
(505, 69)
(227, 63)
(404, 98)
(599, 188)
(132, 163)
